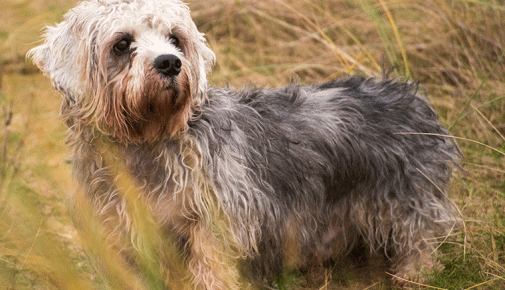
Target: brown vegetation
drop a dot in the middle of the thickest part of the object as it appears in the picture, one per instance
(454, 49)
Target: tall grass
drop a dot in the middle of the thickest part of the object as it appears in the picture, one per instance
(453, 48)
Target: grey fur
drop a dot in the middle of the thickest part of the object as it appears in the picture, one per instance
(367, 155)
(249, 181)
(350, 159)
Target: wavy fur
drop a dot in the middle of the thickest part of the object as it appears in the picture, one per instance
(246, 182)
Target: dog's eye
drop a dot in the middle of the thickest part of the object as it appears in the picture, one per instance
(174, 40)
(122, 46)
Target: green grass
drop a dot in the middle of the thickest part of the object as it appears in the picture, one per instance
(454, 48)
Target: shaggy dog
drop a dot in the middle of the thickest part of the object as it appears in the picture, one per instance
(246, 183)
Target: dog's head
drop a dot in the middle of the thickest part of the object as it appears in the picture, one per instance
(135, 69)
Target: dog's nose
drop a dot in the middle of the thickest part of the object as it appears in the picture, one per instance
(168, 64)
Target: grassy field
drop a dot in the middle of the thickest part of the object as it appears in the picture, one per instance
(454, 49)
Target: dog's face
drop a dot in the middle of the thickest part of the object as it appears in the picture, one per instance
(135, 69)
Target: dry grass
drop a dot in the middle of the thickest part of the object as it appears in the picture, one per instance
(453, 48)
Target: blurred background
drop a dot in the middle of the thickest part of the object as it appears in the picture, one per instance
(454, 49)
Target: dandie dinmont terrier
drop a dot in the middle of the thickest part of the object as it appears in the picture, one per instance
(246, 182)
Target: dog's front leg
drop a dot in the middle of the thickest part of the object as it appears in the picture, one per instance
(211, 262)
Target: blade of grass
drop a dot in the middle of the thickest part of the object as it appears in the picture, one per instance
(415, 283)
(488, 122)
(344, 57)
(398, 37)
(381, 29)
(487, 4)
(476, 93)
(455, 137)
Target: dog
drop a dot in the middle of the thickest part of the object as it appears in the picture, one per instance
(245, 182)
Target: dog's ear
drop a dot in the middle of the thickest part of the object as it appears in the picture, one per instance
(56, 57)
(207, 58)
(46, 55)
(207, 55)
(40, 56)
(57, 50)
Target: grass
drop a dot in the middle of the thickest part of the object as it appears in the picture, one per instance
(453, 48)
